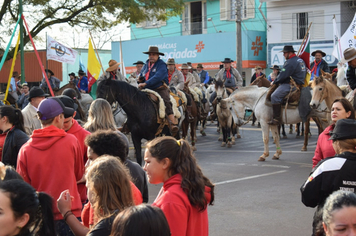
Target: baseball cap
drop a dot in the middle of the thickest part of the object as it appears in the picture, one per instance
(52, 107)
(67, 102)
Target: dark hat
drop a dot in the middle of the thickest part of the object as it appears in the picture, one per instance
(67, 102)
(36, 92)
(227, 60)
(52, 107)
(344, 129)
(154, 49)
(275, 67)
(200, 65)
(81, 72)
(69, 92)
(288, 48)
(48, 70)
(323, 54)
(190, 65)
(139, 63)
(72, 74)
(171, 61)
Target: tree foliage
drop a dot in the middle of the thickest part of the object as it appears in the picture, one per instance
(98, 15)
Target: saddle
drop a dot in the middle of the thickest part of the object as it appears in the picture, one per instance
(292, 98)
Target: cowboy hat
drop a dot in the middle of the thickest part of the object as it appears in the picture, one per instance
(275, 67)
(113, 65)
(72, 74)
(288, 48)
(200, 65)
(344, 129)
(349, 55)
(81, 72)
(185, 67)
(258, 68)
(154, 49)
(171, 61)
(36, 92)
(323, 54)
(227, 60)
(139, 63)
(190, 65)
(49, 71)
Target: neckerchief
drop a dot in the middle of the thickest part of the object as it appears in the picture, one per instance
(228, 74)
(170, 76)
(149, 69)
(314, 69)
(113, 75)
(185, 77)
(78, 85)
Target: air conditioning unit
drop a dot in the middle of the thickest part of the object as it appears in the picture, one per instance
(352, 4)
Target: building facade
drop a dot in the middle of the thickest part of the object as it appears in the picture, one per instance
(205, 33)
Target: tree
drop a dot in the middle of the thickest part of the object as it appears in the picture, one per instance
(90, 14)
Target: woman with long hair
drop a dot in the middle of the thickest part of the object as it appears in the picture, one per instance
(24, 212)
(334, 173)
(100, 116)
(13, 134)
(341, 109)
(109, 192)
(186, 192)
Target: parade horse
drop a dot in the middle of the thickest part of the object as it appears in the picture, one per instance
(140, 110)
(224, 115)
(190, 120)
(341, 75)
(255, 97)
(204, 110)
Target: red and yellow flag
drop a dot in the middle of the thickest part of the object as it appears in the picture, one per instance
(93, 66)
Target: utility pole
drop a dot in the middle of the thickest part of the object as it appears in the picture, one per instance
(21, 45)
(238, 37)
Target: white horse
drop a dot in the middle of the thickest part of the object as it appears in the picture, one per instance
(341, 74)
(255, 97)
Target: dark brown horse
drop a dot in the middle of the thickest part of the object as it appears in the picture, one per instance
(190, 119)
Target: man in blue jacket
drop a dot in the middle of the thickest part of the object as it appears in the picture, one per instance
(295, 68)
(83, 82)
(154, 76)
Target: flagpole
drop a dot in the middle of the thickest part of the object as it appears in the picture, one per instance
(305, 36)
(96, 52)
(122, 60)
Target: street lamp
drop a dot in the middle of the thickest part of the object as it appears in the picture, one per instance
(211, 19)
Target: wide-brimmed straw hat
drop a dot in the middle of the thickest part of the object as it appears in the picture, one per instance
(171, 61)
(113, 65)
(275, 67)
(227, 60)
(349, 55)
(185, 67)
(323, 54)
(288, 48)
(154, 49)
(258, 68)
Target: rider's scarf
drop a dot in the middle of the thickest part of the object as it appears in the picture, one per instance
(113, 75)
(228, 74)
(314, 69)
(170, 76)
(149, 69)
(78, 85)
(185, 77)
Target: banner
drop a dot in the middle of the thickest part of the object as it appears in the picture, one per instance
(304, 51)
(93, 66)
(347, 40)
(337, 53)
(58, 52)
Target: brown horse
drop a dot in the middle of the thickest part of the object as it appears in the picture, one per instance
(187, 120)
(261, 81)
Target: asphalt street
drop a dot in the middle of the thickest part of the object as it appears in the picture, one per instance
(251, 197)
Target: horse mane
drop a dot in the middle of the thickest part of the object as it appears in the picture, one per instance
(319, 79)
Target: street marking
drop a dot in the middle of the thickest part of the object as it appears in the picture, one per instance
(250, 177)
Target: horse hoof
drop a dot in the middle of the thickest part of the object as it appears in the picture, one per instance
(304, 149)
(203, 133)
(238, 136)
(194, 148)
(223, 144)
(291, 131)
(285, 136)
(233, 142)
(275, 157)
(259, 125)
(220, 139)
(252, 124)
(261, 159)
(218, 130)
(229, 145)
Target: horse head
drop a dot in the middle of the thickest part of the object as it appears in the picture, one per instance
(104, 90)
(220, 90)
(319, 91)
(237, 109)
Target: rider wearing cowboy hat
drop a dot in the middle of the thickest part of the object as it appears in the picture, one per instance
(53, 81)
(175, 77)
(188, 76)
(230, 75)
(203, 74)
(113, 72)
(135, 75)
(318, 64)
(154, 76)
(295, 68)
(350, 58)
(274, 74)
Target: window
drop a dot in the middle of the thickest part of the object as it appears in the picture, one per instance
(301, 24)
(228, 9)
(194, 20)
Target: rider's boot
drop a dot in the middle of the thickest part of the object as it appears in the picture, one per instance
(276, 114)
(173, 126)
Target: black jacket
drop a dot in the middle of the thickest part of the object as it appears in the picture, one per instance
(323, 66)
(351, 77)
(331, 174)
(14, 140)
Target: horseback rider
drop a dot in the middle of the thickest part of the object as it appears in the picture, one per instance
(350, 58)
(135, 75)
(154, 76)
(318, 64)
(203, 75)
(175, 77)
(113, 72)
(295, 68)
(83, 82)
(53, 81)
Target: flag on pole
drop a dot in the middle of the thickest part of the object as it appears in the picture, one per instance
(347, 39)
(58, 52)
(337, 53)
(122, 65)
(304, 51)
(93, 66)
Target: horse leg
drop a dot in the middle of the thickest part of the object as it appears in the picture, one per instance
(137, 144)
(265, 133)
(275, 135)
(223, 128)
(291, 129)
(202, 127)
(284, 132)
(302, 131)
(228, 137)
(306, 134)
(193, 135)
(253, 119)
(297, 129)
(184, 129)
(234, 129)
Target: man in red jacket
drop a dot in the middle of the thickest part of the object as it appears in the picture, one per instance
(52, 160)
(71, 126)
